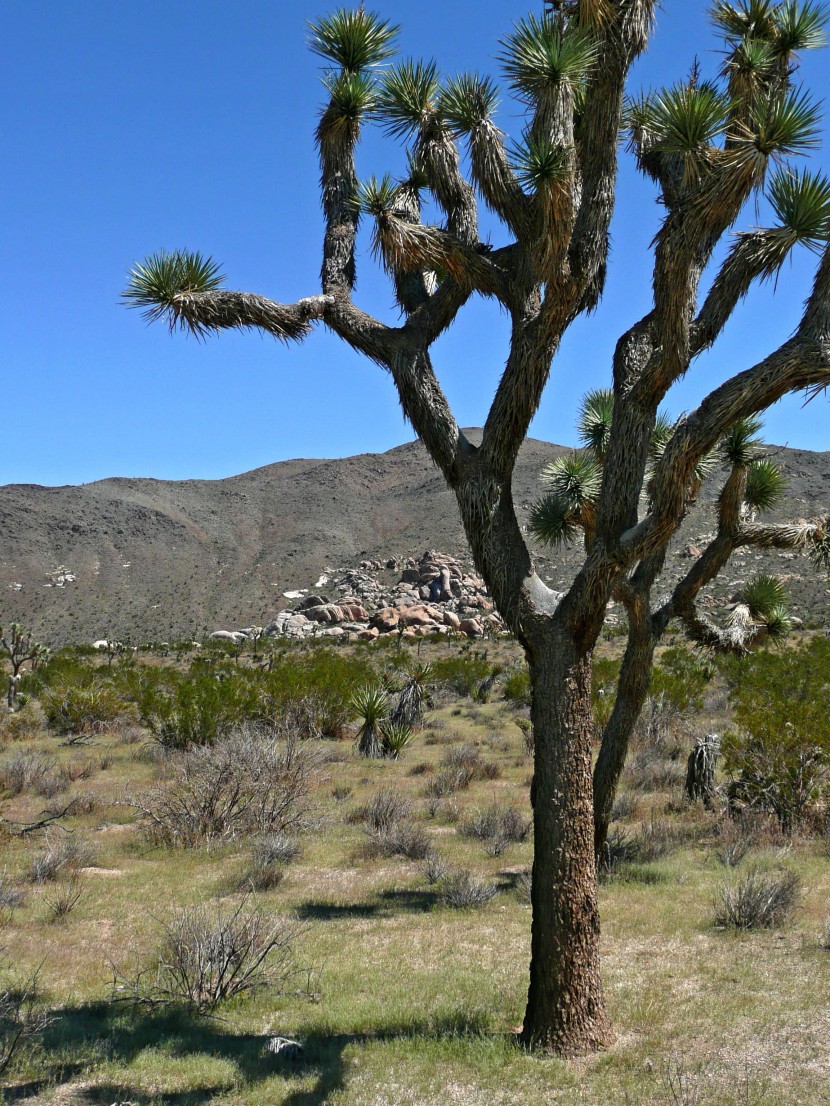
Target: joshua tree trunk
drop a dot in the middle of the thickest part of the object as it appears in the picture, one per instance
(565, 1006)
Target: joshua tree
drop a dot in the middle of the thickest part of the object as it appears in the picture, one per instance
(753, 484)
(707, 146)
(19, 646)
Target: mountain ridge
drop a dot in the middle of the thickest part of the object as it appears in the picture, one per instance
(144, 558)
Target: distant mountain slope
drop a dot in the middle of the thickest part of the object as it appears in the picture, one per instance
(155, 559)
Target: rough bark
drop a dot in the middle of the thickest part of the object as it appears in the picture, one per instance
(565, 1006)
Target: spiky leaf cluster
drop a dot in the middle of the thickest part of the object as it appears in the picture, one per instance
(354, 39)
(801, 202)
(782, 126)
(687, 118)
(573, 485)
(351, 97)
(740, 445)
(765, 484)
(407, 97)
(155, 282)
(595, 418)
(787, 27)
(763, 595)
(467, 101)
(540, 163)
(544, 54)
(375, 197)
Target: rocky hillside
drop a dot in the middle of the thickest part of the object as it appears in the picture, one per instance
(151, 559)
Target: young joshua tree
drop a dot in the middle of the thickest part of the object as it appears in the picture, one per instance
(708, 146)
(19, 646)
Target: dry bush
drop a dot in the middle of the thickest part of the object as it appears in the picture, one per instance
(252, 783)
(745, 831)
(443, 809)
(435, 868)
(65, 898)
(383, 811)
(269, 855)
(462, 891)
(524, 886)
(21, 771)
(60, 854)
(625, 806)
(11, 895)
(650, 771)
(760, 900)
(497, 826)
(403, 839)
(210, 954)
(21, 1016)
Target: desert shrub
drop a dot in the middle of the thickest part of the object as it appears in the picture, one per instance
(256, 781)
(67, 895)
(758, 900)
(779, 758)
(211, 954)
(517, 686)
(403, 838)
(524, 886)
(85, 709)
(467, 760)
(202, 709)
(680, 679)
(21, 771)
(497, 827)
(384, 810)
(269, 855)
(443, 809)
(463, 891)
(625, 807)
(321, 684)
(11, 894)
(648, 771)
(435, 868)
(462, 673)
(60, 853)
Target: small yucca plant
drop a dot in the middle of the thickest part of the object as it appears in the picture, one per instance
(371, 705)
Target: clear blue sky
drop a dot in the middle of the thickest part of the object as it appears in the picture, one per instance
(133, 126)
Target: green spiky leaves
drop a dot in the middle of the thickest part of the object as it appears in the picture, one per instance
(468, 101)
(569, 506)
(801, 26)
(540, 164)
(542, 55)
(155, 283)
(801, 202)
(351, 96)
(687, 118)
(595, 417)
(763, 595)
(740, 445)
(746, 19)
(354, 40)
(376, 197)
(784, 126)
(408, 97)
(765, 484)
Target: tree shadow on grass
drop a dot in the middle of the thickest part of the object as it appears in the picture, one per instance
(109, 1033)
(383, 906)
